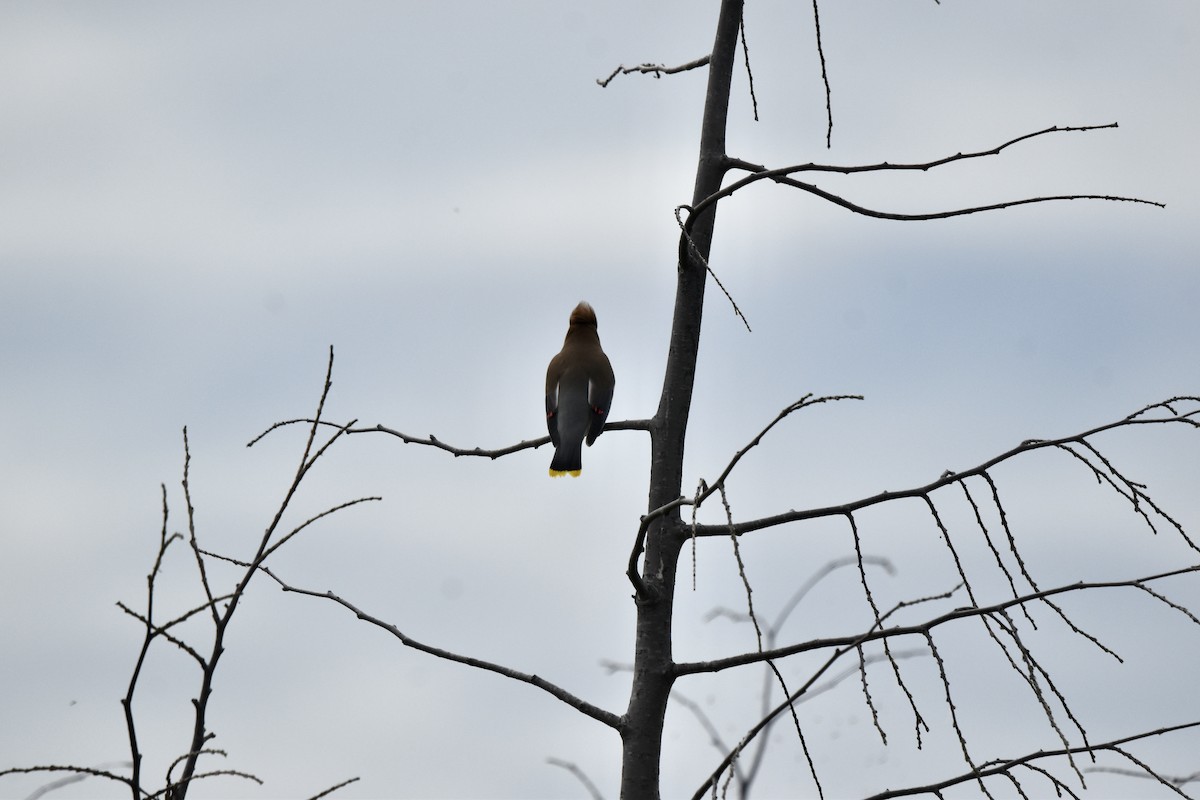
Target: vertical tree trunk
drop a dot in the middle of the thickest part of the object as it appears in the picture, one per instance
(653, 665)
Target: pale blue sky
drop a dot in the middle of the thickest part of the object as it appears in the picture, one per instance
(197, 200)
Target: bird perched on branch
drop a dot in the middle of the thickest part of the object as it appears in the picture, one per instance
(579, 390)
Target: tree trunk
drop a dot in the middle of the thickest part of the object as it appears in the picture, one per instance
(653, 667)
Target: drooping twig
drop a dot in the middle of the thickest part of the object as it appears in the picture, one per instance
(694, 251)
(769, 635)
(1012, 546)
(958, 731)
(758, 636)
(824, 78)
(860, 560)
(804, 690)
(749, 72)
(1129, 489)
(1033, 674)
(1187, 418)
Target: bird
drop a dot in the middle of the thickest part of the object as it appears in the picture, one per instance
(579, 390)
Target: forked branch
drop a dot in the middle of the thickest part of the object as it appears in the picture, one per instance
(783, 175)
(219, 609)
(705, 491)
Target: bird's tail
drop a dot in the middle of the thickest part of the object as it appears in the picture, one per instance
(567, 463)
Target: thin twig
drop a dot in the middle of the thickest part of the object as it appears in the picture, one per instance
(824, 78)
(657, 70)
(695, 251)
(749, 72)
(333, 789)
(804, 402)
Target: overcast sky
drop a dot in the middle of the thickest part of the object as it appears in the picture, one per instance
(197, 200)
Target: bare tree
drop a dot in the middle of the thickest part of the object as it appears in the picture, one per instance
(205, 649)
(1010, 620)
(1019, 617)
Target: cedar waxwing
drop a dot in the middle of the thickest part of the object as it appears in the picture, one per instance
(579, 390)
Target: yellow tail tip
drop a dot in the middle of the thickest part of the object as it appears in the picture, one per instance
(558, 473)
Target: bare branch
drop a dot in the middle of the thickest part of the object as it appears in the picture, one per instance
(719, 484)
(182, 785)
(80, 774)
(164, 541)
(967, 612)
(987, 536)
(782, 175)
(433, 441)
(950, 477)
(1033, 675)
(770, 634)
(1012, 546)
(657, 70)
(593, 711)
(694, 251)
(1005, 766)
(749, 72)
(1131, 490)
(99, 773)
(958, 732)
(314, 518)
(958, 212)
(161, 630)
(807, 691)
(1175, 780)
(333, 789)
(705, 491)
(760, 172)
